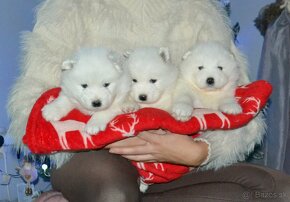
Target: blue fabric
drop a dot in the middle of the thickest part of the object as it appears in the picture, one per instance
(275, 68)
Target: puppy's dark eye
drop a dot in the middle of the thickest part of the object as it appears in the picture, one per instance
(134, 80)
(220, 67)
(200, 67)
(106, 85)
(84, 85)
(153, 80)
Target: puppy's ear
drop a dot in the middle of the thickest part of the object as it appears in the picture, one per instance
(113, 56)
(186, 55)
(116, 60)
(127, 53)
(118, 67)
(67, 65)
(232, 56)
(164, 54)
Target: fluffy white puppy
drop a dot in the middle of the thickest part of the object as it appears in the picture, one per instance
(209, 77)
(153, 81)
(94, 83)
(153, 78)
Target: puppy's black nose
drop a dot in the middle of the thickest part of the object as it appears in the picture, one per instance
(210, 81)
(96, 103)
(143, 97)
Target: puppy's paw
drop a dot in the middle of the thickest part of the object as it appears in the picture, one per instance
(93, 127)
(51, 113)
(182, 112)
(231, 108)
(92, 130)
(129, 107)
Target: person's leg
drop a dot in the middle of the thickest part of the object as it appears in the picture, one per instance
(97, 176)
(239, 182)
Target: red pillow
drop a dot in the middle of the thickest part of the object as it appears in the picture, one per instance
(44, 137)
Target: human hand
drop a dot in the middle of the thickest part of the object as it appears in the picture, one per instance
(161, 146)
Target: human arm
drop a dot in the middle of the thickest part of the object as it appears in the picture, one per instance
(162, 146)
(211, 150)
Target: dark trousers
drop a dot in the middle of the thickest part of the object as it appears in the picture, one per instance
(101, 176)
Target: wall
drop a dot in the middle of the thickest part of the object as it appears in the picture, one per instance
(15, 17)
(249, 39)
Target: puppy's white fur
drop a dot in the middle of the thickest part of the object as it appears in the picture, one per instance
(209, 75)
(213, 60)
(153, 77)
(93, 82)
(153, 81)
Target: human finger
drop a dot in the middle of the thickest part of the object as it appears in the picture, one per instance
(133, 141)
(142, 158)
(150, 137)
(131, 150)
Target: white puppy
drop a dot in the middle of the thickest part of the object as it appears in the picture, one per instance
(94, 83)
(153, 81)
(209, 75)
(153, 78)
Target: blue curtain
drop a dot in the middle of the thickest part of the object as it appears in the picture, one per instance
(275, 68)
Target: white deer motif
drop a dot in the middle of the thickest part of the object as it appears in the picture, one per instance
(62, 127)
(159, 166)
(143, 185)
(257, 107)
(141, 165)
(150, 177)
(126, 133)
(199, 115)
(224, 119)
